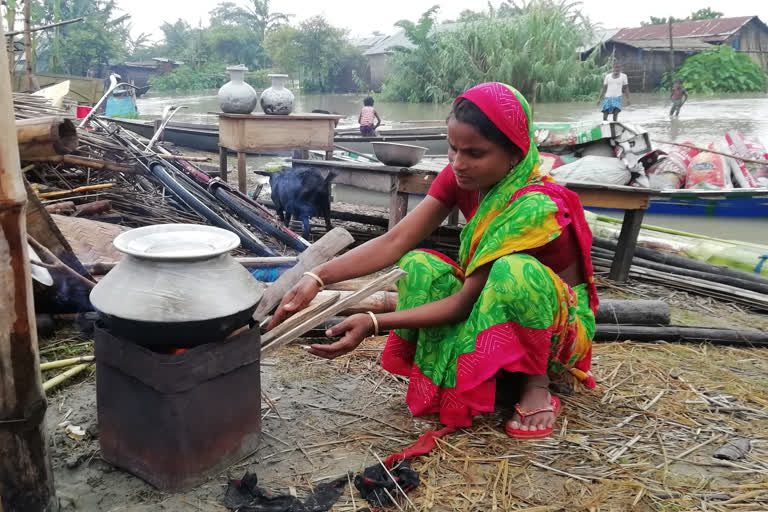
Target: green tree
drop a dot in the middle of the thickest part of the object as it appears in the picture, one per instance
(320, 47)
(702, 14)
(234, 45)
(705, 14)
(177, 39)
(282, 47)
(83, 47)
(257, 16)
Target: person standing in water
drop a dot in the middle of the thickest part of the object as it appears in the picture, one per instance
(366, 118)
(679, 96)
(615, 87)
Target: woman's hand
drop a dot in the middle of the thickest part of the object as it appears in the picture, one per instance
(355, 329)
(295, 300)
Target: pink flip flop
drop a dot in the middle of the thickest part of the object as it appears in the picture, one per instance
(516, 433)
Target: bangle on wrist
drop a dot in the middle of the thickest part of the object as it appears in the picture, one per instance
(316, 278)
(375, 323)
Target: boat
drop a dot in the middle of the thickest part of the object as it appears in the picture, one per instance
(205, 137)
(202, 137)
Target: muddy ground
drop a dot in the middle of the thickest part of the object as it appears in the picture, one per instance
(334, 417)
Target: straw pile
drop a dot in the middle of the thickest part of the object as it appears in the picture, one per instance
(644, 438)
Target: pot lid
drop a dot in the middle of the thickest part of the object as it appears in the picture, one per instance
(177, 242)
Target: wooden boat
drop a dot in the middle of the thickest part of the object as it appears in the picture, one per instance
(205, 137)
(202, 137)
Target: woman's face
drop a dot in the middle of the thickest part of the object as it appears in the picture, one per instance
(477, 163)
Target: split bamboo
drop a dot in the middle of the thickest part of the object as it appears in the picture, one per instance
(26, 478)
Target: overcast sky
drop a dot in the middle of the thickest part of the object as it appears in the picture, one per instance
(362, 17)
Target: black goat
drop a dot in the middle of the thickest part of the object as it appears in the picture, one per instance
(302, 193)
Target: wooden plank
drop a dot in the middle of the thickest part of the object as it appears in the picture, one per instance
(242, 180)
(223, 163)
(607, 198)
(319, 303)
(229, 133)
(625, 250)
(375, 285)
(275, 133)
(398, 203)
(321, 251)
(305, 117)
(415, 183)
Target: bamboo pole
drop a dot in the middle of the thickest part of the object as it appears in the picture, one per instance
(66, 362)
(55, 381)
(26, 478)
(28, 43)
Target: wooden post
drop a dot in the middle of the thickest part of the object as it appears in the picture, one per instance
(26, 478)
(625, 250)
(28, 43)
(242, 184)
(671, 50)
(223, 163)
(398, 203)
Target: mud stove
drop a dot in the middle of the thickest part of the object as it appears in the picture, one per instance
(175, 420)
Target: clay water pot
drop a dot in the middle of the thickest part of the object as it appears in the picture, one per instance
(236, 96)
(277, 100)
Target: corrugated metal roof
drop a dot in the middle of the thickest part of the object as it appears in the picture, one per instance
(399, 39)
(679, 44)
(599, 36)
(718, 28)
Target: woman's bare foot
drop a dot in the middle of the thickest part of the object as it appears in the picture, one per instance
(535, 396)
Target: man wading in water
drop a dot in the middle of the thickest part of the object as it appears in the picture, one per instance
(615, 86)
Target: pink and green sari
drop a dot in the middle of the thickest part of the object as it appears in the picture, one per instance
(526, 319)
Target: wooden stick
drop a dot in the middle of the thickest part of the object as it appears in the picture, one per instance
(376, 285)
(321, 251)
(318, 304)
(46, 195)
(57, 264)
(52, 383)
(690, 146)
(66, 362)
(26, 478)
(85, 162)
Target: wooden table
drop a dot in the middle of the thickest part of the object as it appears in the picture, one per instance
(257, 133)
(399, 182)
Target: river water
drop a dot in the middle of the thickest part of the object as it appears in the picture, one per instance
(701, 121)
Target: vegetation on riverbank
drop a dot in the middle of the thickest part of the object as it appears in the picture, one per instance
(534, 48)
(721, 70)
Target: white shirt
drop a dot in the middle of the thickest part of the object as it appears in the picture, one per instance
(615, 85)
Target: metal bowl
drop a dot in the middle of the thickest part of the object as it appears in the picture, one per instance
(176, 242)
(400, 155)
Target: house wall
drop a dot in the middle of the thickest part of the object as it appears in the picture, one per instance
(752, 39)
(644, 69)
(380, 69)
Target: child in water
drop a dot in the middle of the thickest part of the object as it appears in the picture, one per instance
(366, 118)
(678, 97)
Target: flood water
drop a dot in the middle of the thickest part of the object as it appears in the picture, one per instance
(702, 120)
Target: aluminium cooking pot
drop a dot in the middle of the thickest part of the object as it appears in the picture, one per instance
(176, 286)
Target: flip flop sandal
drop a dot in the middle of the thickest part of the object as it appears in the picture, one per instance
(516, 433)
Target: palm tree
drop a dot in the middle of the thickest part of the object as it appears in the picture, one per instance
(255, 16)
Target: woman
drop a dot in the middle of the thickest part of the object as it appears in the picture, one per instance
(522, 298)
